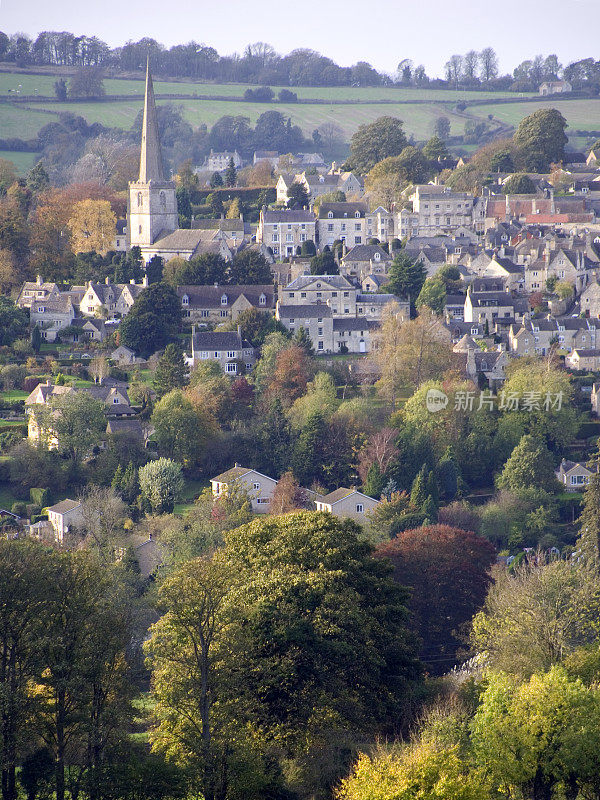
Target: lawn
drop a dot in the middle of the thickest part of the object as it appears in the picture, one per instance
(13, 395)
(191, 490)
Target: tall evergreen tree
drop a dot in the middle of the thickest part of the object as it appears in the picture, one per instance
(588, 541)
(230, 173)
(171, 371)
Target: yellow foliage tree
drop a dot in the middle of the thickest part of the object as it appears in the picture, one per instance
(93, 226)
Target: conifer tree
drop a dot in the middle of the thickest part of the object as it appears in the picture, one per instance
(230, 173)
(171, 372)
(588, 541)
(418, 492)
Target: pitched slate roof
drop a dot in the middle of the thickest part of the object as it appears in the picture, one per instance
(366, 252)
(181, 239)
(342, 210)
(353, 324)
(339, 494)
(206, 296)
(304, 311)
(219, 340)
(289, 215)
(64, 506)
(302, 281)
(132, 427)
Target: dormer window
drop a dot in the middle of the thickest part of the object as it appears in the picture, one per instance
(223, 299)
(377, 256)
(185, 300)
(262, 300)
(330, 215)
(357, 214)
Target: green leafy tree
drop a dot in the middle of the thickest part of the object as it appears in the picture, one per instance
(87, 82)
(216, 180)
(309, 689)
(297, 196)
(432, 295)
(435, 149)
(324, 264)
(540, 735)
(161, 483)
(13, 321)
(541, 139)
(519, 183)
(153, 320)
(250, 267)
(171, 371)
(37, 178)
(530, 464)
(537, 615)
(76, 420)
(182, 430)
(375, 141)
(406, 276)
(588, 542)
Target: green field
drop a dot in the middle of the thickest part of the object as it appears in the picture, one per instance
(582, 114)
(43, 85)
(22, 161)
(418, 119)
(370, 103)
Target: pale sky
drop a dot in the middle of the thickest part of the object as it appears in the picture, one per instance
(381, 32)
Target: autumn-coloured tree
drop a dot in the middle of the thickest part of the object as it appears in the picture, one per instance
(93, 226)
(409, 352)
(447, 571)
(292, 373)
(289, 496)
(380, 450)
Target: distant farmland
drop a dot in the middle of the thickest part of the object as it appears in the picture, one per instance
(348, 107)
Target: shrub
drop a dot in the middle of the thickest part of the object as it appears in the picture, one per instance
(40, 497)
(20, 509)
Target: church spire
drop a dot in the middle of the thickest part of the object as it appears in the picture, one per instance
(151, 167)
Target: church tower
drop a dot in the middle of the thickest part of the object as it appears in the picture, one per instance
(152, 203)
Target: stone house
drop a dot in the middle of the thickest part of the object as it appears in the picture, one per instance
(37, 290)
(218, 162)
(63, 517)
(380, 225)
(286, 230)
(363, 260)
(537, 335)
(371, 306)
(217, 304)
(341, 221)
(317, 321)
(110, 299)
(336, 291)
(347, 503)
(258, 487)
(595, 399)
(372, 283)
(125, 355)
(573, 475)
(227, 348)
(435, 209)
(353, 335)
(491, 307)
(555, 87)
(115, 399)
(582, 360)
(51, 316)
(590, 299)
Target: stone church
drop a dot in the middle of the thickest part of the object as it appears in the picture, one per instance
(152, 219)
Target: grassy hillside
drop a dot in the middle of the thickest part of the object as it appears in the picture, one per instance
(22, 161)
(348, 107)
(418, 119)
